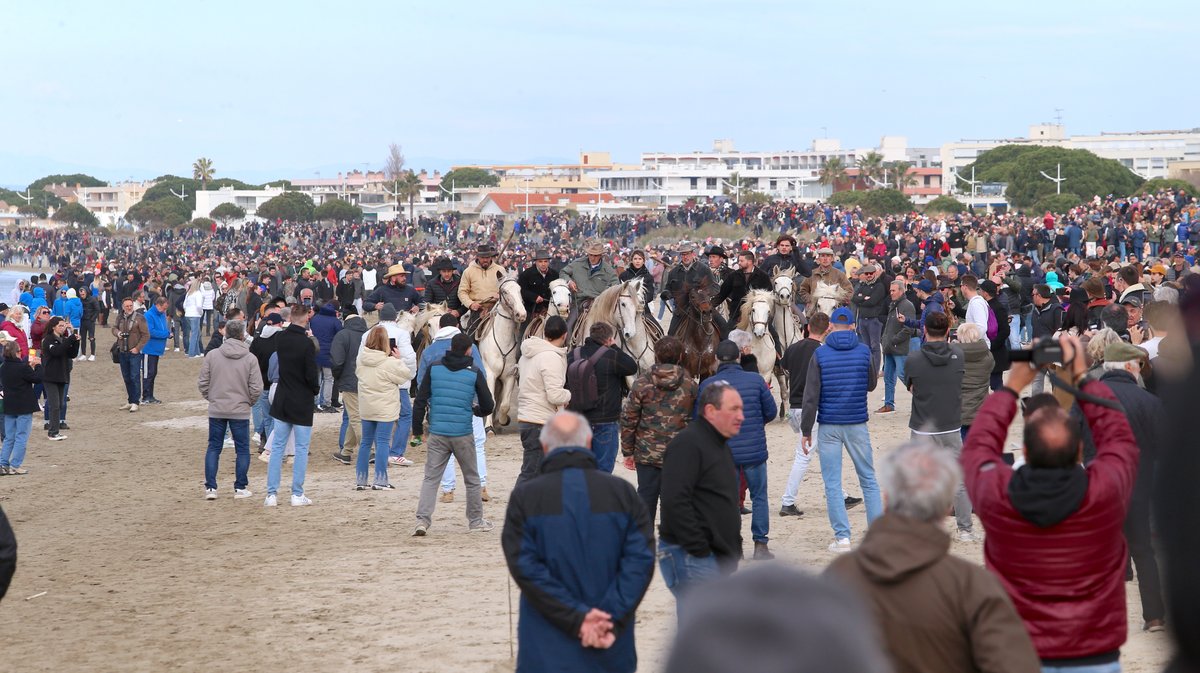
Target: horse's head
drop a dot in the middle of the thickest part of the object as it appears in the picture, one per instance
(784, 287)
(510, 297)
(560, 297)
(701, 298)
(760, 311)
(629, 307)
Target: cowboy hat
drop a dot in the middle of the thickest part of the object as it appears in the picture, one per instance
(395, 270)
(485, 250)
(685, 246)
(717, 250)
(441, 264)
(593, 247)
(541, 253)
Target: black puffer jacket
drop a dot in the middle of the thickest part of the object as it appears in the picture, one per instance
(611, 370)
(17, 379)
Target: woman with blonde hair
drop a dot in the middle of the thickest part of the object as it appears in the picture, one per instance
(976, 373)
(381, 373)
(193, 310)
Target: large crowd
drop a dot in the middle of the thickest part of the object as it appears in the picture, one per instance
(1082, 321)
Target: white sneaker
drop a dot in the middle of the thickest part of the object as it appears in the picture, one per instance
(482, 527)
(840, 545)
(91, 358)
(270, 501)
(239, 493)
(133, 408)
(300, 501)
(400, 461)
(210, 494)
(57, 438)
(176, 350)
(125, 407)
(265, 456)
(965, 536)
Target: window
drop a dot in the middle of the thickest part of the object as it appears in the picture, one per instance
(694, 182)
(710, 183)
(773, 187)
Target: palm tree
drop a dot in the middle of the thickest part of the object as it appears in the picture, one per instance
(202, 170)
(870, 166)
(409, 186)
(899, 176)
(833, 172)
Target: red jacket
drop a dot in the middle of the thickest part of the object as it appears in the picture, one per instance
(18, 334)
(1067, 581)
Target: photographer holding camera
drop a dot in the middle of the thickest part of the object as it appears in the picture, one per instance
(132, 336)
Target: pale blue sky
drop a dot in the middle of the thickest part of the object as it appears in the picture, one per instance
(282, 89)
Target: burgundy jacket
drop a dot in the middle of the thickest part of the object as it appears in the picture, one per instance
(1067, 580)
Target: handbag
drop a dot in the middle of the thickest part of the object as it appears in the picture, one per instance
(116, 353)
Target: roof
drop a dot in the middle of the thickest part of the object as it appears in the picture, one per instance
(514, 202)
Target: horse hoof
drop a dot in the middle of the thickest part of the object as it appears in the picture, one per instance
(489, 430)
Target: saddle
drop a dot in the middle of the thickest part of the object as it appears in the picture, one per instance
(478, 323)
(576, 336)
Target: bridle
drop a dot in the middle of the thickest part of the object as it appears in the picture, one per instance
(637, 311)
(500, 306)
(765, 323)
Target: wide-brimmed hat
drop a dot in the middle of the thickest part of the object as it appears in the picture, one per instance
(541, 253)
(395, 270)
(441, 264)
(485, 250)
(685, 246)
(717, 250)
(593, 247)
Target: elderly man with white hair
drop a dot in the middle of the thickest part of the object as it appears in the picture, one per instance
(903, 566)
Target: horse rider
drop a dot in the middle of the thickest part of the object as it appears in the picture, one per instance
(738, 284)
(535, 286)
(787, 256)
(394, 290)
(587, 277)
(717, 258)
(826, 282)
(687, 275)
(479, 289)
(444, 288)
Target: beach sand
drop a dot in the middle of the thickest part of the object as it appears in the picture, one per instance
(140, 573)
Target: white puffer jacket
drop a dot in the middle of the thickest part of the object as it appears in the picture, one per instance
(542, 373)
(380, 377)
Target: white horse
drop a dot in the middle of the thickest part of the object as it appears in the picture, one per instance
(498, 343)
(560, 299)
(787, 325)
(755, 318)
(623, 307)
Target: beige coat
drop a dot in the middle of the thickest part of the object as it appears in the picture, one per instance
(380, 377)
(542, 373)
(479, 285)
(824, 289)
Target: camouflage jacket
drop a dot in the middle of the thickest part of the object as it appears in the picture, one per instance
(657, 408)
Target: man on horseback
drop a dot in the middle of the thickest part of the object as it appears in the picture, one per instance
(394, 290)
(535, 286)
(786, 256)
(827, 288)
(587, 277)
(479, 288)
(716, 263)
(685, 277)
(444, 288)
(738, 284)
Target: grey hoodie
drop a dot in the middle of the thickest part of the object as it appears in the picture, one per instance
(934, 375)
(343, 353)
(230, 380)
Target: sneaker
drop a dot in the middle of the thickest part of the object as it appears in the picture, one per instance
(210, 494)
(176, 350)
(840, 545)
(790, 510)
(852, 502)
(265, 456)
(415, 441)
(965, 536)
(362, 487)
(270, 501)
(57, 438)
(63, 426)
(3, 470)
(886, 409)
(1154, 626)
(382, 487)
(344, 460)
(482, 527)
(239, 493)
(400, 461)
(300, 501)
(92, 358)
(420, 530)
(447, 496)
(125, 407)
(16, 471)
(46, 425)
(133, 408)
(744, 510)
(483, 495)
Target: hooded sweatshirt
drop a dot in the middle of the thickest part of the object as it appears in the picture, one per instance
(37, 300)
(934, 374)
(938, 613)
(230, 381)
(542, 373)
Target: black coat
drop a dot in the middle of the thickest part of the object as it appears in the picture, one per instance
(737, 285)
(299, 379)
(802, 266)
(871, 299)
(999, 345)
(534, 284)
(647, 281)
(681, 281)
(57, 354)
(8, 554)
(17, 379)
(437, 292)
(263, 348)
(700, 495)
(611, 370)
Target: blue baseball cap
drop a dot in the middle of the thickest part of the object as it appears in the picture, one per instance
(925, 286)
(842, 316)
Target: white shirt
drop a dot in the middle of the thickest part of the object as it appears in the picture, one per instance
(1151, 346)
(977, 312)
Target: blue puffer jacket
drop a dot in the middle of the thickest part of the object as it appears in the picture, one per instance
(325, 325)
(453, 391)
(845, 377)
(932, 304)
(749, 445)
(156, 323)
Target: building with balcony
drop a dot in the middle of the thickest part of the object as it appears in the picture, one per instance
(110, 203)
(247, 199)
(550, 178)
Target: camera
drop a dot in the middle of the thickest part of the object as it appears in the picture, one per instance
(1044, 352)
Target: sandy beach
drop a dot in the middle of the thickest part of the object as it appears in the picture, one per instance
(125, 567)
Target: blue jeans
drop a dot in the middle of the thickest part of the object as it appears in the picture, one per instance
(262, 413)
(131, 372)
(344, 427)
(857, 440)
(760, 517)
(893, 370)
(403, 426)
(681, 570)
(240, 429)
(1114, 667)
(377, 432)
(303, 435)
(193, 337)
(16, 436)
(606, 440)
(1014, 331)
(1027, 324)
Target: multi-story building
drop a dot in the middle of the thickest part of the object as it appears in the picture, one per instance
(110, 203)
(247, 199)
(1146, 153)
(550, 178)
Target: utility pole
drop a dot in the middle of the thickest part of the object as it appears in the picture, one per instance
(1057, 180)
(973, 182)
(182, 188)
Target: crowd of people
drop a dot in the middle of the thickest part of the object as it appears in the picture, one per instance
(1083, 321)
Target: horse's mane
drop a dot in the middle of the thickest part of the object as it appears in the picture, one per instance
(751, 297)
(431, 311)
(605, 305)
(790, 273)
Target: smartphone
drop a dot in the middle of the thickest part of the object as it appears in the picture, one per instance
(391, 345)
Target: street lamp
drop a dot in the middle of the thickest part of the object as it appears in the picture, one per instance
(973, 182)
(1057, 180)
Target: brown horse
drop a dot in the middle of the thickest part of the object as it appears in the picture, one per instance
(699, 333)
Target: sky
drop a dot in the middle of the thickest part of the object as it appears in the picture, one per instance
(130, 89)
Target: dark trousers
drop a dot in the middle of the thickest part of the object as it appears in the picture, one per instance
(1141, 548)
(996, 382)
(870, 332)
(87, 338)
(649, 487)
(531, 459)
(131, 372)
(55, 398)
(148, 377)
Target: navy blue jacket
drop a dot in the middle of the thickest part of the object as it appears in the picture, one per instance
(401, 298)
(839, 378)
(325, 325)
(749, 445)
(932, 304)
(575, 539)
(449, 390)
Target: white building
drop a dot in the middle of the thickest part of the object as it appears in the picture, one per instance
(672, 179)
(1146, 153)
(247, 199)
(110, 203)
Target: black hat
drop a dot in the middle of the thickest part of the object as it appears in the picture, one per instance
(945, 283)
(441, 264)
(989, 286)
(717, 250)
(485, 250)
(1134, 299)
(273, 319)
(541, 253)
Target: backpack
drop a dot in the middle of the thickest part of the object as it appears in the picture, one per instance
(993, 327)
(581, 381)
